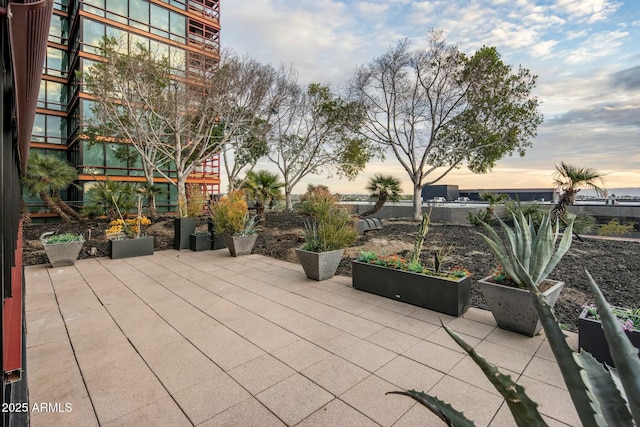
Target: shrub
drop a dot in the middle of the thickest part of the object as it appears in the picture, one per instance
(614, 228)
(584, 223)
(230, 213)
(317, 199)
(196, 200)
(333, 229)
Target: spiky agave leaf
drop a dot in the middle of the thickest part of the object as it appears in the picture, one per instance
(623, 353)
(444, 411)
(607, 399)
(523, 409)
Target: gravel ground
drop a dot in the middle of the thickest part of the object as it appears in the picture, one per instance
(614, 264)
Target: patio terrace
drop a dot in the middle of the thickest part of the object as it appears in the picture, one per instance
(201, 338)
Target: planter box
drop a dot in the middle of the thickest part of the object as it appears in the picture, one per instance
(199, 242)
(435, 293)
(319, 265)
(217, 241)
(62, 254)
(129, 248)
(182, 230)
(240, 245)
(513, 308)
(591, 338)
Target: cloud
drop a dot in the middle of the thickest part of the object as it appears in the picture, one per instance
(627, 79)
(597, 46)
(591, 11)
(609, 115)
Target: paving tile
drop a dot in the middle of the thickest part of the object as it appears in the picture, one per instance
(470, 327)
(303, 326)
(81, 414)
(415, 327)
(260, 373)
(434, 356)
(504, 418)
(553, 401)
(248, 413)
(441, 337)
(294, 399)
(381, 315)
(264, 334)
(504, 357)
(514, 341)
(369, 397)
(545, 371)
(393, 340)
(419, 416)
(335, 374)
(337, 413)
(332, 339)
(479, 315)
(407, 374)
(432, 317)
(226, 348)
(210, 397)
(475, 403)
(300, 354)
(366, 355)
(161, 412)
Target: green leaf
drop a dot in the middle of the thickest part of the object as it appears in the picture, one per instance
(443, 410)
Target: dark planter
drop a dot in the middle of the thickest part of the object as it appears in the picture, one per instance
(199, 242)
(129, 248)
(240, 245)
(513, 308)
(591, 338)
(217, 240)
(319, 265)
(62, 254)
(435, 293)
(182, 230)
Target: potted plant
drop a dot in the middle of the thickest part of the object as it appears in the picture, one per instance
(506, 290)
(217, 240)
(409, 281)
(62, 249)
(230, 216)
(326, 237)
(185, 224)
(126, 239)
(591, 336)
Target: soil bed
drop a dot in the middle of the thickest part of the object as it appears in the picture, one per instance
(614, 264)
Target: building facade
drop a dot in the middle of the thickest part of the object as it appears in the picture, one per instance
(186, 31)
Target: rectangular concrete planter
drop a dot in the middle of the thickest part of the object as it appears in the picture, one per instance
(62, 254)
(591, 338)
(182, 230)
(319, 265)
(513, 308)
(240, 245)
(129, 248)
(435, 293)
(199, 242)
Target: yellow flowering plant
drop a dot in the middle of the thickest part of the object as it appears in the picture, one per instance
(230, 215)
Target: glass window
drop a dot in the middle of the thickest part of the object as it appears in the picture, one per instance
(177, 58)
(179, 4)
(137, 42)
(95, 7)
(139, 14)
(92, 33)
(122, 38)
(158, 50)
(52, 96)
(178, 26)
(38, 132)
(117, 10)
(159, 20)
(114, 165)
(56, 129)
(93, 158)
(59, 30)
(88, 116)
(56, 62)
(42, 94)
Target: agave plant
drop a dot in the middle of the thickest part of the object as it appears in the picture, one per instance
(593, 387)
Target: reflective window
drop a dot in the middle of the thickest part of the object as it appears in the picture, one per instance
(56, 62)
(50, 129)
(38, 134)
(117, 10)
(52, 96)
(122, 38)
(159, 20)
(93, 158)
(139, 14)
(59, 30)
(88, 116)
(178, 26)
(114, 165)
(94, 6)
(92, 32)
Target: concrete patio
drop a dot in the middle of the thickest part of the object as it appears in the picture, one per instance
(201, 338)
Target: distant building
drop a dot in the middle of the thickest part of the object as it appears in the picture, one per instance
(452, 193)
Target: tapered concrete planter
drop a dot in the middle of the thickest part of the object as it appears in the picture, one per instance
(241, 245)
(129, 248)
(199, 242)
(319, 265)
(182, 230)
(591, 338)
(62, 254)
(513, 308)
(435, 293)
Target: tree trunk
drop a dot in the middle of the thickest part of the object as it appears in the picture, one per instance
(382, 199)
(288, 203)
(182, 196)
(68, 209)
(24, 212)
(259, 209)
(53, 207)
(417, 202)
(153, 213)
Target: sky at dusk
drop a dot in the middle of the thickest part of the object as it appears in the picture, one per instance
(586, 54)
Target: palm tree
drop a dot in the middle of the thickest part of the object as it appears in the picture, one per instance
(112, 198)
(570, 179)
(46, 177)
(263, 186)
(384, 187)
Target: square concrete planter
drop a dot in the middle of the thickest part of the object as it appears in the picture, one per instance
(591, 338)
(217, 241)
(129, 248)
(319, 265)
(62, 254)
(435, 293)
(513, 308)
(182, 230)
(240, 245)
(199, 242)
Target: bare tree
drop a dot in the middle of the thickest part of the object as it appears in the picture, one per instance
(180, 116)
(315, 131)
(435, 109)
